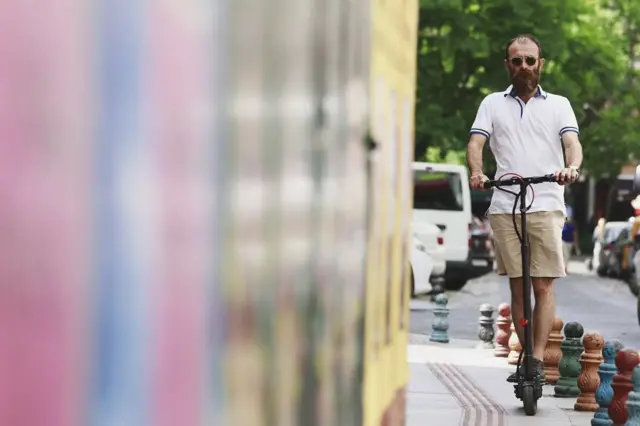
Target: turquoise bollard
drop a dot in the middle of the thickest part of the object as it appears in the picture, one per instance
(567, 385)
(604, 393)
(633, 401)
(441, 320)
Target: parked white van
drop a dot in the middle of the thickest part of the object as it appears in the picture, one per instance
(442, 197)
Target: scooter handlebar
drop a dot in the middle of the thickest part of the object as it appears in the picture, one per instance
(520, 181)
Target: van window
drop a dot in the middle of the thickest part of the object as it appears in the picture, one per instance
(436, 190)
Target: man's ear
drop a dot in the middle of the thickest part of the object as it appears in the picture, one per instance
(541, 64)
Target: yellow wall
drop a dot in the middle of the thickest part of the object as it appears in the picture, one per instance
(393, 76)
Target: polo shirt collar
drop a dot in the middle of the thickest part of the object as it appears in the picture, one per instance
(511, 92)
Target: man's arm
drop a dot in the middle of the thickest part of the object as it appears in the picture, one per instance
(569, 133)
(480, 131)
(572, 149)
(474, 153)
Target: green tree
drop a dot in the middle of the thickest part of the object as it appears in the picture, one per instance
(587, 50)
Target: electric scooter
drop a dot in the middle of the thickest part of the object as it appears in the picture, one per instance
(529, 386)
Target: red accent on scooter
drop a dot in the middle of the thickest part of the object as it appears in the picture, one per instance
(523, 322)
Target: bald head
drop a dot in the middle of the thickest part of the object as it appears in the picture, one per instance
(527, 41)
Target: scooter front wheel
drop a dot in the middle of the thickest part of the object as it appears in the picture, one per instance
(529, 400)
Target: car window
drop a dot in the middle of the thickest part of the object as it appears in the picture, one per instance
(624, 234)
(435, 190)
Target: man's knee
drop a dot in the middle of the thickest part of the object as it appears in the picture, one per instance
(542, 286)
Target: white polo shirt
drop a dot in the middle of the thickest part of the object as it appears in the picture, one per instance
(526, 139)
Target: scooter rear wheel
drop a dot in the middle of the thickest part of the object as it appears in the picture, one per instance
(529, 400)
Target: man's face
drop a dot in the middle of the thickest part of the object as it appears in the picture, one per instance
(524, 66)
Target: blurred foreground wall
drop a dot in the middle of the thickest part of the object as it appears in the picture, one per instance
(189, 208)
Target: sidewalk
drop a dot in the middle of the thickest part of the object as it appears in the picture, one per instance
(456, 384)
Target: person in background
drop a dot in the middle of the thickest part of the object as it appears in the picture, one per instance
(569, 241)
(630, 250)
(598, 235)
(635, 229)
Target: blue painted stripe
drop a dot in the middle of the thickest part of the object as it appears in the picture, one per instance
(120, 393)
(569, 129)
(479, 132)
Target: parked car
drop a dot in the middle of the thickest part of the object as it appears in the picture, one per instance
(421, 267)
(442, 197)
(608, 259)
(432, 237)
(616, 268)
(481, 250)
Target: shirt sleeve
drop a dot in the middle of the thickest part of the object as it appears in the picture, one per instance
(483, 124)
(567, 117)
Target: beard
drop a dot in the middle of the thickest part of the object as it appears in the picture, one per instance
(525, 80)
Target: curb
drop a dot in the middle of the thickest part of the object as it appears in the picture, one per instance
(479, 409)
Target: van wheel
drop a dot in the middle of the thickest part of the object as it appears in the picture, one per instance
(455, 284)
(602, 271)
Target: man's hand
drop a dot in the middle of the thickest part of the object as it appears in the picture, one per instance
(567, 175)
(477, 181)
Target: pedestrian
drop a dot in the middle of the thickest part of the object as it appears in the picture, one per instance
(569, 242)
(524, 125)
(598, 237)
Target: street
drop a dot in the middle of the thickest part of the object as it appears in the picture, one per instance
(599, 304)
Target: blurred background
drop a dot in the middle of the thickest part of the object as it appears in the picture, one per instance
(206, 206)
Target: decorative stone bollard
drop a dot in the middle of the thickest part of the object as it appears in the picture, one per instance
(553, 353)
(604, 393)
(569, 368)
(633, 400)
(485, 331)
(626, 361)
(588, 380)
(504, 331)
(441, 320)
(515, 346)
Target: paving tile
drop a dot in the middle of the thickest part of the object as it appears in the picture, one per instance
(423, 380)
(433, 418)
(431, 401)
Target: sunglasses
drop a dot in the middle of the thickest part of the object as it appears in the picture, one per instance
(517, 60)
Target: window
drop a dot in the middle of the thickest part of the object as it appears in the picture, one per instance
(435, 190)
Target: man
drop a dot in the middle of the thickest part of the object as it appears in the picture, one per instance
(527, 128)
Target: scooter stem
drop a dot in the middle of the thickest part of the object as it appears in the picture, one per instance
(526, 282)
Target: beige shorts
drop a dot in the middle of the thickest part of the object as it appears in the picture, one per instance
(544, 231)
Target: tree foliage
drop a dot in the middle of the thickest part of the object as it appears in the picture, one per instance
(589, 47)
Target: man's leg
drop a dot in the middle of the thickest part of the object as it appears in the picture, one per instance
(509, 262)
(517, 306)
(543, 314)
(547, 263)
